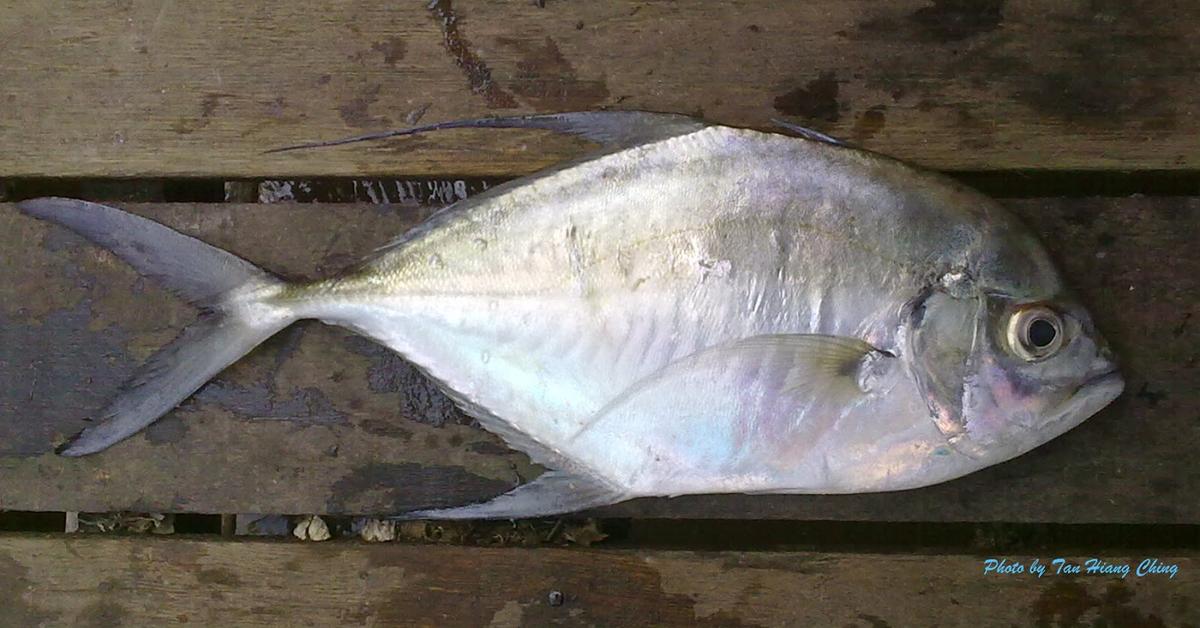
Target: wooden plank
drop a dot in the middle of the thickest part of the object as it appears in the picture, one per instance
(318, 420)
(141, 87)
(144, 582)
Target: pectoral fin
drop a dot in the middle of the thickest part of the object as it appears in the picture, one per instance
(788, 368)
(735, 410)
(815, 364)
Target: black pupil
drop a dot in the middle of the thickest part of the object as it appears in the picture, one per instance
(1041, 333)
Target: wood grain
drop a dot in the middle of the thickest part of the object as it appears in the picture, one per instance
(142, 582)
(159, 88)
(318, 420)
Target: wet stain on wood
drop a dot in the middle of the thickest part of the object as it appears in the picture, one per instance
(102, 614)
(817, 100)
(1092, 87)
(980, 131)
(261, 399)
(1102, 75)
(1149, 396)
(260, 402)
(208, 106)
(47, 386)
(208, 109)
(393, 49)
(874, 621)
(720, 601)
(276, 107)
(488, 448)
(355, 113)
(1164, 485)
(385, 427)
(868, 124)
(218, 575)
(386, 485)
(168, 430)
(1183, 325)
(1097, 78)
(545, 78)
(1065, 604)
(942, 22)
(955, 20)
(420, 398)
(479, 75)
(14, 581)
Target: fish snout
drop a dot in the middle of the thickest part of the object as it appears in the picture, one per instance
(1104, 366)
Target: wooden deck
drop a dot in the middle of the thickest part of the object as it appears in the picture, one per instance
(150, 88)
(142, 582)
(319, 421)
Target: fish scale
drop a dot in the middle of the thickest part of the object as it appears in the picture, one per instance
(696, 308)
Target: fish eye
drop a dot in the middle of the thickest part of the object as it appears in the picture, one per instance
(1035, 333)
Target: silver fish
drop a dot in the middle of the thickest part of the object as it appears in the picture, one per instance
(694, 309)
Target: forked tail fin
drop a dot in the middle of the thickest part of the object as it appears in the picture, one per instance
(231, 292)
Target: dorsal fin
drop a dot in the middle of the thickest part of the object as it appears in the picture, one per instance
(616, 129)
(809, 134)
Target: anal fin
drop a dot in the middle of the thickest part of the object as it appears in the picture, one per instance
(552, 493)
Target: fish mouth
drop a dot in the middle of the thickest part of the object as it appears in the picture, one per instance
(1110, 376)
(1096, 392)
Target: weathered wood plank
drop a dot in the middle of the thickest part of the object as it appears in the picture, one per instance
(145, 87)
(143, 582)
(319, 420)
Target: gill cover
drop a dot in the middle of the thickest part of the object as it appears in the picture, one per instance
(945, 328)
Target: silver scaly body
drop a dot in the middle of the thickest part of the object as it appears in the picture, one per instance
(706, 309)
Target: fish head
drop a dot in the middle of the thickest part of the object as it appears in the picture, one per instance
(1002, 375)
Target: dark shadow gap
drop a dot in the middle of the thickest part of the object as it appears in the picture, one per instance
(1081, 183)
(22, 521)
(446, 189)
(884, 537)
(752, 535)
(189, 523)
(135, 190)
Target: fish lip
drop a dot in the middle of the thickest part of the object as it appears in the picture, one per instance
(1112, 375)
(1109, 378)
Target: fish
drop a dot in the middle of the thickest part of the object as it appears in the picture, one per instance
(692, 308)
